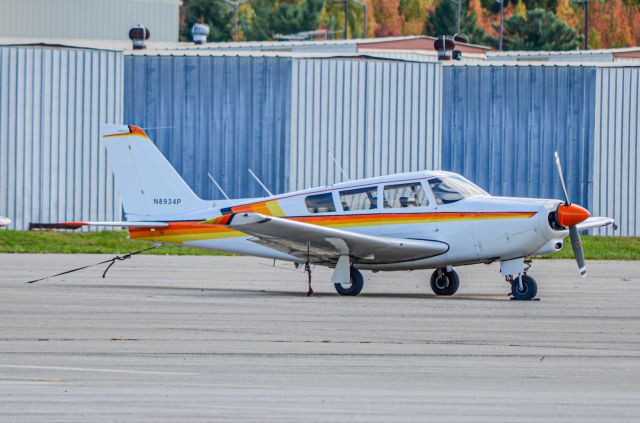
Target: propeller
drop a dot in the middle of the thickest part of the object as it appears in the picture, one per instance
(569, 215)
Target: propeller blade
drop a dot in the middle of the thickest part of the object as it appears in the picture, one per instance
(564, 187)
(576, 244)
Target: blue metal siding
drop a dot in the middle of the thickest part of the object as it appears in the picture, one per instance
(501, 125)
(221, 115)
(52, 101)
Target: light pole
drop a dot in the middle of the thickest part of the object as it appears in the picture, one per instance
(363, 5)
(459, 4)
(236, 6)
(585, 4)
(501, 22)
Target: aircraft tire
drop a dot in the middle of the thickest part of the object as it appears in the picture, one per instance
(450, 285)
(529, 288)
(357, 282)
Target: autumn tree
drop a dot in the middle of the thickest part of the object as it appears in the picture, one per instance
(387, 17)
(612, 20)
(538, 30)
(566, 12)
(413, 13)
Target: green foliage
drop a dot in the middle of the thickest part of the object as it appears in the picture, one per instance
(291, 17)
(258, 20)
(443, 22)
(538, 30)
(215, 13)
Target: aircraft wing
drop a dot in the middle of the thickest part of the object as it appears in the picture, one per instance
(77, 225)
(596, 222)
(324, 245)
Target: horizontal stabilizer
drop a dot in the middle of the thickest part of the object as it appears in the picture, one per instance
(78, 225)
(596, 222)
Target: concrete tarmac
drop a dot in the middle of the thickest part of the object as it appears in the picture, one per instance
(234, 339)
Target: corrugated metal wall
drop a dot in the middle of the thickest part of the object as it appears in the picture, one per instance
(221, 115)
(616, 172)
(52, 101)
(88, 19)
(502, 123)
(375, 116)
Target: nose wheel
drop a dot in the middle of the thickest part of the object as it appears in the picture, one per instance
(523, 288)
(444, 282)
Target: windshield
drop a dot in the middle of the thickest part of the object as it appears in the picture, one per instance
(449, 189)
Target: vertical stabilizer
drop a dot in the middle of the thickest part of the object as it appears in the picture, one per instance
(147, 182)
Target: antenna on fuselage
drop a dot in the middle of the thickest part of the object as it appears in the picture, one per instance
(344, 175)
(218, 186)
(260, 182)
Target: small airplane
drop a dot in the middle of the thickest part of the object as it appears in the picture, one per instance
(408, 221)
(4, 221)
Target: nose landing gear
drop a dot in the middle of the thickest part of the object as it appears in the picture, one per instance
(523, 287)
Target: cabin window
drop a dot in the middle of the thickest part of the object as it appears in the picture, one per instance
(404, 195)
(320, 203)
(448, 189)
(359, 199)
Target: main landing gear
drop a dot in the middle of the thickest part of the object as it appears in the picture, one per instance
(354, 288)
(445, 282)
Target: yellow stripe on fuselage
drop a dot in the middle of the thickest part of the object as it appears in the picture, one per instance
(179, 232)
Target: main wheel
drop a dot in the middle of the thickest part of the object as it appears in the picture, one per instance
(354, 288)
(528, 291)
(445, 284)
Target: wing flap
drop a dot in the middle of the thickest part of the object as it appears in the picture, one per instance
(326, 245)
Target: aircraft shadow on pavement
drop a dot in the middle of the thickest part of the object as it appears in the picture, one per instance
(247, 292)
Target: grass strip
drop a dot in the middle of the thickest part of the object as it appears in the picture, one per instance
(104, 242)
(117, 242)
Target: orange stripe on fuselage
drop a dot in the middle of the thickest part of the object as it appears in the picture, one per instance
(179, 232)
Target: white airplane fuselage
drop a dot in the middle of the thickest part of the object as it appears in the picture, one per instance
(478, 228)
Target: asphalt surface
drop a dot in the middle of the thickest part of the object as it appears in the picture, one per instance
(234, 339)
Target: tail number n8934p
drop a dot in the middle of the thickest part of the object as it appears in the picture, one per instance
(175, 201)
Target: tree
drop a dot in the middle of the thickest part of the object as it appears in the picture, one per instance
(538, 30)
(215, 13)
(414, 13)
(613, 21)
(443, 22)
(567, 13)
(388, 19)
(443, 19)
(292, 17)
(520, 8)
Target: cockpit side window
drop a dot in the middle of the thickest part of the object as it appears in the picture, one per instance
(449, 189)
(320, 203)
(404, 195)
(359, 199)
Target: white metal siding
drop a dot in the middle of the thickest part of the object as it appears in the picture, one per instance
(52, 167)
(376, 117)
(616, 173)
(88, 19)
